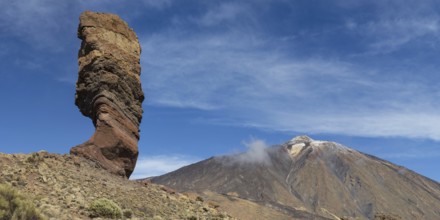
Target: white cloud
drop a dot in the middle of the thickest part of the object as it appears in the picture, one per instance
(149, 166)
(256, 153)
(363, 123)
(252, 83)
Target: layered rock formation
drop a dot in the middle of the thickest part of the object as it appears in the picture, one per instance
(109, 91)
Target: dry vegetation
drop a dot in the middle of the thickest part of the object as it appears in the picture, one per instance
(16, 206)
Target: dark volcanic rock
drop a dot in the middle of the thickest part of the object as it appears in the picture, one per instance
(316, 177)
(109, 91)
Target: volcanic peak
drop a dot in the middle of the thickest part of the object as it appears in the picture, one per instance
(308, 179)
(301, 139)
(297, 144)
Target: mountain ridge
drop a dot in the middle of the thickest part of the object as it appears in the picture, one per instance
(320, 178)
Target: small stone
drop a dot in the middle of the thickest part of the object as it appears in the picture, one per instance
(21, 183)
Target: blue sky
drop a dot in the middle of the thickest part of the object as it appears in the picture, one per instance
(217, 74)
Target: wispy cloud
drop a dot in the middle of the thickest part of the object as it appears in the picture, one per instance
(388, 31)
(225, 12)
(367, 123)
(48, 24)
(160, 164)
(250, 79)
(175, 62)
(36, 22)
(246, 77)
(389, 35)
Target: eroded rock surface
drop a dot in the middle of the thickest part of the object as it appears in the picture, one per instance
(109, 91)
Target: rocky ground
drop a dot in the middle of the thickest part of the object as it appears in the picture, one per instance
(63, 187)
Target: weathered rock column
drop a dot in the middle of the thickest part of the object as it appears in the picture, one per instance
(109, 91)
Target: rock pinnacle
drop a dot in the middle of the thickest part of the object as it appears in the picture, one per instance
(109, 91)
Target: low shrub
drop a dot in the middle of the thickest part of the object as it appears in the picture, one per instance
(35, 158)
(14, 206)
(105, 208)
(127, 213)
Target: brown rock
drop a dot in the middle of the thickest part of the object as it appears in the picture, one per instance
(109, 91)
(168, 190)
(384, 216)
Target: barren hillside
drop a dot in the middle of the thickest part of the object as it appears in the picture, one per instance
(64, 186)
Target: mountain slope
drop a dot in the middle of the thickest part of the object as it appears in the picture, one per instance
(321, 179)
(63, 187)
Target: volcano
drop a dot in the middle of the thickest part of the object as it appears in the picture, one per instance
(308, 179)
